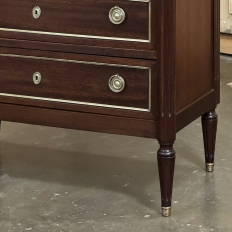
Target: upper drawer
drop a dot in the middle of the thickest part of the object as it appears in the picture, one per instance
(126, 20)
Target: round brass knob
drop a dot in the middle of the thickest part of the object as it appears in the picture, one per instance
(117, 15)
(116, 83)
(37, 78)
(36, 12)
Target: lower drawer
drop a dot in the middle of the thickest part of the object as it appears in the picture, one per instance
(89, 82)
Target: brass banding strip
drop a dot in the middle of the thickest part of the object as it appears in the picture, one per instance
(74, 35)
(79, 102)
(71, 61)
(74, 102)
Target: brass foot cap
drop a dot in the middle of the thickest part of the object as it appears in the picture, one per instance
(209, 167)
(166, 211)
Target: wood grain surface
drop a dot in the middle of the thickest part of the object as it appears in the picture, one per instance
(77, 17)
(67, 80)
(182, 54)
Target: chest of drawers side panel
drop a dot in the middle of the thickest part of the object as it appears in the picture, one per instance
(197, 67)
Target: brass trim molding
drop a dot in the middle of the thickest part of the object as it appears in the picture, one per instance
(74, 102)
(71, 61)
(79, 102)
(90, 36)
(139, 0)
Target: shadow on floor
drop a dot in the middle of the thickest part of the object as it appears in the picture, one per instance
(123, 175)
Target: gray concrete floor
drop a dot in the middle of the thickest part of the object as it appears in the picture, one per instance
(65, 180)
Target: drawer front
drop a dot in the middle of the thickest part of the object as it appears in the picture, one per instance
(75, 82)
(127, 20)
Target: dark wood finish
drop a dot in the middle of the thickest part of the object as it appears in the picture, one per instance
(77, 17)
(150, 64)
(195, 58)
(166, 73)
(197, 93)
(144, 50)
(83, 82)
(209, 128)
(78, 120)
(199, 107)
(216, 48)
(83, 57)
(166, 134)
(182, 54)
(79, 108)
(166, 162)
(84, 46)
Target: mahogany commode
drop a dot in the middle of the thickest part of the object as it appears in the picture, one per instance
(142, 68)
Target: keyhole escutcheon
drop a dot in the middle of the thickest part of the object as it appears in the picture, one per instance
(36, 12)
(37, 78)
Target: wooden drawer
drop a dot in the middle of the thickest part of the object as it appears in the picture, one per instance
(75, 82)
(86, 19)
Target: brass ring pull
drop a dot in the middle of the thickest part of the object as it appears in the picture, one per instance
(117, 15)
(116, 83)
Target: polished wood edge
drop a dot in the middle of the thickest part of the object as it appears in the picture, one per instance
(216, 46)
(78, 108)
(196, 110)
(195, 102)
(166, 60)
(121, 61)
(77, 120)
(134, 50)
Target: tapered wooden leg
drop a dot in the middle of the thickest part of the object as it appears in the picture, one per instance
(209, 127)
(166, 161)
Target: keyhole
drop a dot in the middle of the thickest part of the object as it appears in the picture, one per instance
(37, 78)
(36, 12)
